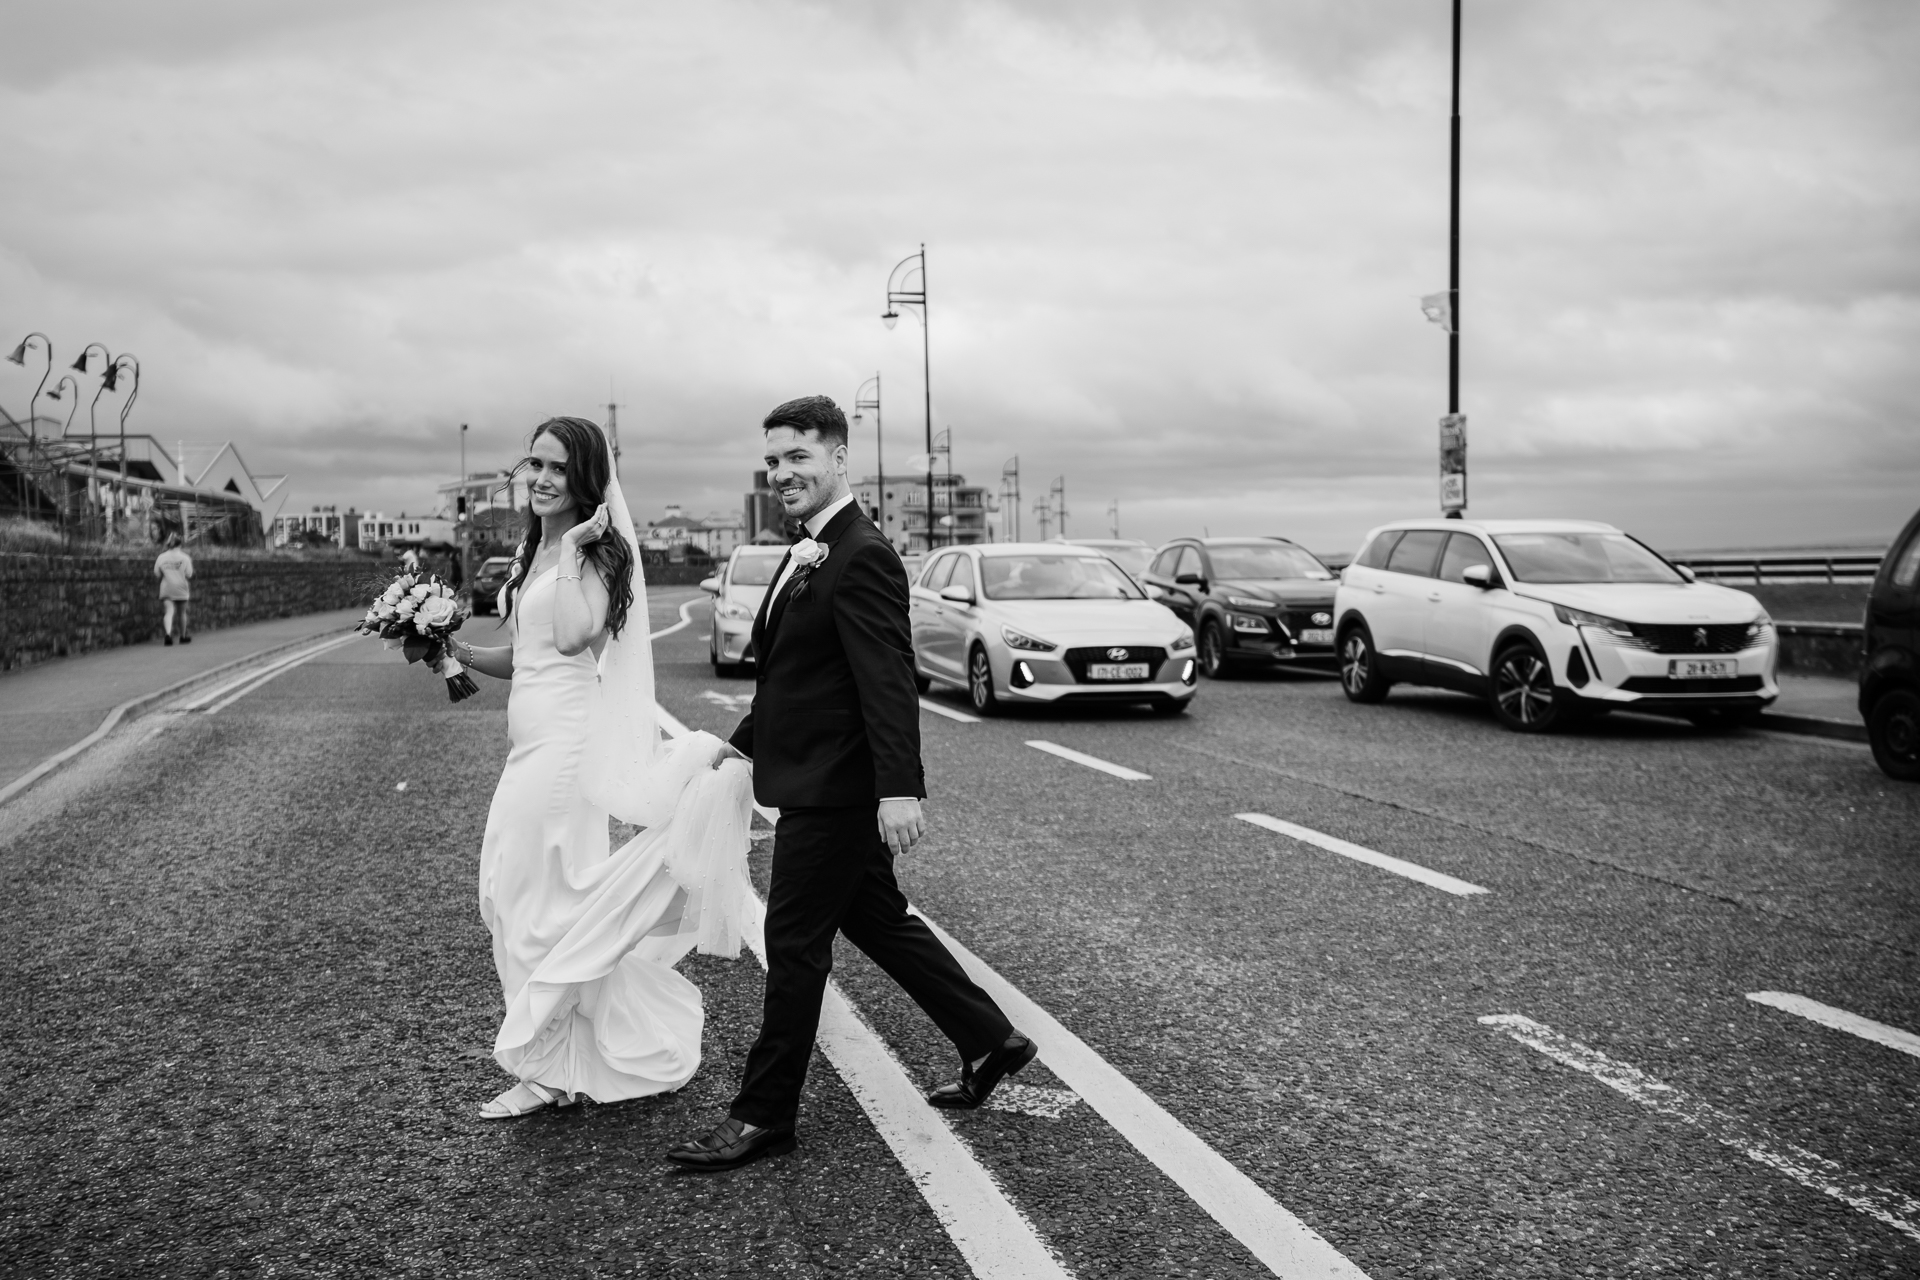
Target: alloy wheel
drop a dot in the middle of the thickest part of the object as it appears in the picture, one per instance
(1356, 664)
(980, 681)
(1523, 686)
(1213, 656)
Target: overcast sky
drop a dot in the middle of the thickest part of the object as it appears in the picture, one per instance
(1176, 251)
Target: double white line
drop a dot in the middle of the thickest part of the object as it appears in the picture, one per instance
(221, 696)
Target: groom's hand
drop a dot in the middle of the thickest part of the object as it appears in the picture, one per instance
(901, 824)
(726, 752)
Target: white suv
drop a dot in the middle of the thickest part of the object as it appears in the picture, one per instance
(1549, 620)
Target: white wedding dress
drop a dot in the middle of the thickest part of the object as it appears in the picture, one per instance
(585, 937)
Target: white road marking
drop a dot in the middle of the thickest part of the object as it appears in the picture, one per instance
(1287, 1246)
(729, 701)
(232, 691)
(1092, 762)
(993, 1236)
(927, 704)
(1840, 1020)
(686, 620)
(1032, 1100)
(1411, 870)
(1815, 1172)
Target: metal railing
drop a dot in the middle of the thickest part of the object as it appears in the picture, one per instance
(1763, 567)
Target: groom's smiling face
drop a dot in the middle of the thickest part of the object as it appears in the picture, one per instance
(807, 471)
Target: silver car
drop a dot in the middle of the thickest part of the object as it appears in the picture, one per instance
(737, 591)
(1038, 622)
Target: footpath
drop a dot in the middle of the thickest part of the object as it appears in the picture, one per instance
(50, 706)
(1828, 706)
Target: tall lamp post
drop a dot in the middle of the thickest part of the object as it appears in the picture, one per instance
(128, 364)
(1010, 494)
(1453, 432)
(901, 293)
(93, 425)
(19, 357)
(1057, 494)
(861, 403)
(66, 381)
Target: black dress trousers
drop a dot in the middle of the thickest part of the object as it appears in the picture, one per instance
(833, 872)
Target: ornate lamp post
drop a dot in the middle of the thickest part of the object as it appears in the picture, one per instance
(19, 357)
(93, 426)
(66, 380)
(130, 365)
(860, 403)
(902, 293)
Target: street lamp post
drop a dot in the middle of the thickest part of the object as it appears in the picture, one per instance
(66, 380)
(93, 425)
(861, 403)
(1010, 494)
(19, 357)
(1057, 493)
(900, 293)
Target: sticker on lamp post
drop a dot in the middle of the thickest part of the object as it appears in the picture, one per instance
(1453, 462)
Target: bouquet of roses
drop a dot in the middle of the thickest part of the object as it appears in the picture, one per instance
(419, 614)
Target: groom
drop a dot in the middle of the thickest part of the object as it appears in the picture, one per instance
(834, 736)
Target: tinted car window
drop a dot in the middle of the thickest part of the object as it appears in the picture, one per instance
(1163, 564)
(1582, 557)
(1416, 553)
(1375, 556)
(754, 571)
(1463, 551)
(1275, 560)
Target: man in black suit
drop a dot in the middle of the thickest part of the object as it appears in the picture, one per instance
(834, 736)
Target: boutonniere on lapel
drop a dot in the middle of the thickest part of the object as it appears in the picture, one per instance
(807, 554)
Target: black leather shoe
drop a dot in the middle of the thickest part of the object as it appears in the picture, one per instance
(973, 1087)
(728, 1148)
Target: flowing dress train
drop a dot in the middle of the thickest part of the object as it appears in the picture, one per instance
(585, 937)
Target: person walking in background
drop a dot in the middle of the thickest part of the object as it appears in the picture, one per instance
(174, 568)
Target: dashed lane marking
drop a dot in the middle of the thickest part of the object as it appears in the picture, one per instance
(1840, 1020)
(993, 1236)
(225, 695)
(1092, 762)
(1332, 844)
(1815, 1172)
(927, 704)
(1287, 1246)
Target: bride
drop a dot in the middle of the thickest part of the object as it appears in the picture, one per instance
(585, 937)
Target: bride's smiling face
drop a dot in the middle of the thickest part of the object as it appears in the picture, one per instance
(547, 489)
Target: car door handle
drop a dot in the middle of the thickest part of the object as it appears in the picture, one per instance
(1435, 597)
(1379, 588)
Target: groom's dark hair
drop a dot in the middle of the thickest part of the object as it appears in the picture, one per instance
(812, 414)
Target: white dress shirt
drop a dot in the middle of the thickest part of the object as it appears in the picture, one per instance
(814, 524)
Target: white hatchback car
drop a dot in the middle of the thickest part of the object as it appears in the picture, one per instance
(1036, 622)
(737, 591)
(1549, 620)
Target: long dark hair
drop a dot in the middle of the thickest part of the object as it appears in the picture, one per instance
(587, 479)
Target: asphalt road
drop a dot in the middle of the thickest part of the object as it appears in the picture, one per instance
(252, 999)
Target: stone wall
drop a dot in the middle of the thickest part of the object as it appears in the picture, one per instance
(52, 606)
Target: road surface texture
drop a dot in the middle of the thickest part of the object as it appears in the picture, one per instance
(252, 1001)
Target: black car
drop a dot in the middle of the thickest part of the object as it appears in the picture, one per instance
(487, 581)
(1250, 601)
(1890, 678)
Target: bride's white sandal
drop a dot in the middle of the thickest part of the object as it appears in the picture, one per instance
(516, 1102)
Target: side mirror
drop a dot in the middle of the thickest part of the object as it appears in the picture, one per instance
(1190, 580)
(1479, 575)
(958, 594)
(1685, 572)
(710, 585)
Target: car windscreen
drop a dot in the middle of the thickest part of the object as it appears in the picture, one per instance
(496, 564)
(1133, 559)
(1582, 557)
(1056, 578)
(755, 571)
(1275, 561)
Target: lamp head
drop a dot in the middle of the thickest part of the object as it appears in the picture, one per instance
(19, 355)
(113, 375)
(81, 363)
(890, 317)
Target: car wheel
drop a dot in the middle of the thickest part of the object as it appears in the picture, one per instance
(1213, 650)
(1523, 693)
(1893, 730)
(1171, 707)
(1360, 668)
(980, 683)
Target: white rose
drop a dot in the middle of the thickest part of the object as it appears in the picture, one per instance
(391, 594)
(437, 612)
(406, 607)
(421, 592)
(808, 553)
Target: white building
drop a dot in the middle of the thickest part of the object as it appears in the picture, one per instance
(379, 531)
(716, 535)
(342, 530)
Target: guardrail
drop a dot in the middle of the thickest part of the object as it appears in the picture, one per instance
(1764, 567)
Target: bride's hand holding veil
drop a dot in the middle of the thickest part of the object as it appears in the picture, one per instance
(580, 606)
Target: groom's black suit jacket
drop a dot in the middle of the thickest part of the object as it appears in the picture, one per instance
(835, 720)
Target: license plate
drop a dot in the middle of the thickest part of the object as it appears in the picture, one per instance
(1703, 669)
(1116, 671)
(1317, 635)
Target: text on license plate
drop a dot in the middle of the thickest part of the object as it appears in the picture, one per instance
(1702, 669)
(1317, 635)
(1116, 671)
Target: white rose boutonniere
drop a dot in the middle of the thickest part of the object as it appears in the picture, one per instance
(807, 556)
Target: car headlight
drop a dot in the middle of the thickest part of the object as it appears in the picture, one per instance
(1182, 642)
(1581, 618)
(738, 612)
(1248, 602)
(1021, 640)
(1758, 629)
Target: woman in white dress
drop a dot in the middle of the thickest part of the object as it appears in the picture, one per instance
(585, 937)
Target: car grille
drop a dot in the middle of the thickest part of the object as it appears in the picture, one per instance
(1298, 620)
(1665, 684)
(1077, 660)
(1721, 637)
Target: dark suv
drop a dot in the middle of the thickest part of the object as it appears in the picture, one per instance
(1890, 678)
(487, 581)
(1249, 600)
